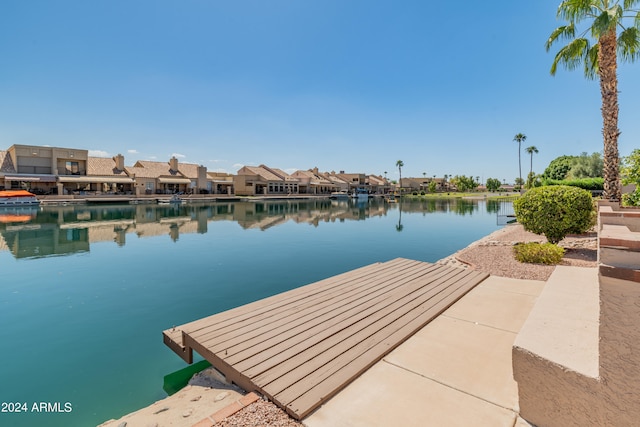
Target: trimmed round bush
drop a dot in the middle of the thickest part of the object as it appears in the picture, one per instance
(555, 211)
(538, 253)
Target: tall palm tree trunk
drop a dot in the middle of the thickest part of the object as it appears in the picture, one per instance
(519, 167)
(607, 62)
(531, 165)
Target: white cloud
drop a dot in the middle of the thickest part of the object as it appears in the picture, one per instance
(217, 161)
(153, 157)
(290, 170)
(99, 153)
(238, 165)
(178, 155)
(133, 151)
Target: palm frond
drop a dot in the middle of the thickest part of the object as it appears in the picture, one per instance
(564, 32)
(629, 4)
(629, 44)
(571, 55)
(576, 10)
(591, 68)
(604, 22)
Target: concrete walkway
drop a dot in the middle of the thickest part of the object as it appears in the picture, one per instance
(456, 371)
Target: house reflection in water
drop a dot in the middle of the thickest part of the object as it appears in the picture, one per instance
(64, 230)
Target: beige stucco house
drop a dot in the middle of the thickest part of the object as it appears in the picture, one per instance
(168, 177)
(313, 182)
(37, 168)
(221, 183)
(104, 175)
(263, 180)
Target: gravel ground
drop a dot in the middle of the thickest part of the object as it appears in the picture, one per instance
(494, 254)
(261, 413)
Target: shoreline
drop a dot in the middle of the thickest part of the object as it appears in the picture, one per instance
(54, 200)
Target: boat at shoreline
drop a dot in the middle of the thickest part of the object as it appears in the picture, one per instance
(12, 198)
(175, 200)
(339, 195)
(360, 194)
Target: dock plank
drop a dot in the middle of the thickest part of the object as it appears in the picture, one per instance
(356, 323)
(301, 347)
(297, 319)
(297, 342)
(334, 376)
(382, 323)
(262, 309)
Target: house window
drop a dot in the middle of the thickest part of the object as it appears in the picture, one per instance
(72, 168)
(150, 185)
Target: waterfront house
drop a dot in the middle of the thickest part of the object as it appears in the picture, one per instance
(263, 180)
(56, 170)
(422, 184)
(37, 168)
(221, 183)
(161, 177)
(312, 182)
(378, 184)
(339, 183)
(104, 175)
(355, 181)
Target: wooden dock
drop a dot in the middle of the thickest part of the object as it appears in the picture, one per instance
(301, 347)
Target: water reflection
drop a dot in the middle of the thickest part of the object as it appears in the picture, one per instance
(62, 230)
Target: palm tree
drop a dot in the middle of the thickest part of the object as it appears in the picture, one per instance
(531, 150)
(604, 18)
(400, 164)
(520, 138)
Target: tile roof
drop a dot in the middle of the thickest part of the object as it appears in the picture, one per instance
(376, 180)
(103, 166)
(334, 178)
(261, 171)
(6, 164)
(140, 172)
(280, 173)
(316, 179)
(153, 169)
(190, 170)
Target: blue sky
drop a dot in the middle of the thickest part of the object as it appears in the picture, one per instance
(341, 85)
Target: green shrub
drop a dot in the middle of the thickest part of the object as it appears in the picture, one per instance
(631, 199)
(594, 184)
(555, 211)
(538, 253)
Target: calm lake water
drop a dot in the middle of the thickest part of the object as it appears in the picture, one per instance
(85, 291)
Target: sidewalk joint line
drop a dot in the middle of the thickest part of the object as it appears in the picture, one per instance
(449, 386)
(479, 324)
